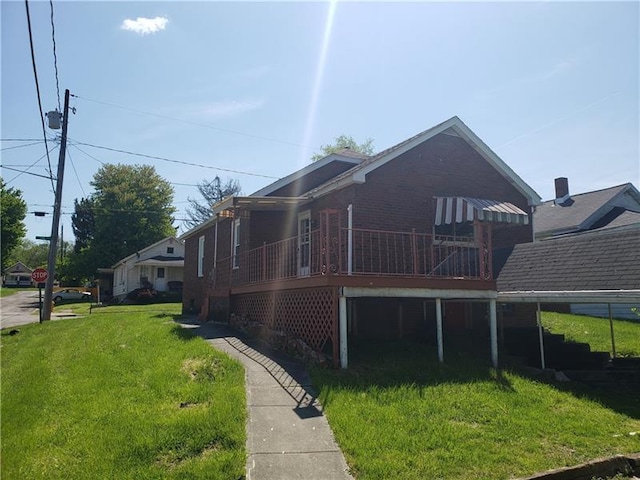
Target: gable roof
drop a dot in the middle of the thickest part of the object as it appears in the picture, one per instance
(453, 126)
(363, 164)
(345, 156)
(146, 249)
(18, 267)
(606, 260)
(580, 212)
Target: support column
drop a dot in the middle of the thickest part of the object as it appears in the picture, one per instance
(439, 329)
(541, 337)
(493, 329)
(613, 342)
(342, 303)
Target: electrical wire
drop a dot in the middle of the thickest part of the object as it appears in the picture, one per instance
(20, 146)
(20, 140)
(153, 157)
(82, 151)
(188, 122)
(35, 75)
(23, 172)
(32, 165)
(55, 57)
(76, 172)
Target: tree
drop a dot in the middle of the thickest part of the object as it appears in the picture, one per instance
(30, 253)
(212, 192)
(83, 223)
(130, 209)
(12, 213)
(342, 142)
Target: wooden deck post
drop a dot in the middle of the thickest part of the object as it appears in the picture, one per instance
(344, 359)
(613, 343)
(493, 328)
(541, 337)
(439, 329)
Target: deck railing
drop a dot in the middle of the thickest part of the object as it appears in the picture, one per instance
(353, 252)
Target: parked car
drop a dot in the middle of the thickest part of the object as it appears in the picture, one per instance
(71, 294)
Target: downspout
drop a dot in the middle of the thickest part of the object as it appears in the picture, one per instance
(350, 240)
(215, 246)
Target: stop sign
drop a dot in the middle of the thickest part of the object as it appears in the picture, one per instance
(39, 275)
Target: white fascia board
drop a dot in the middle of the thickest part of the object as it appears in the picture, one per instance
(466, 134)
(507, 172)
(580, 296)
(140, 252)
(388, 292)
(284, 181)
(216, 208)
(359, 176)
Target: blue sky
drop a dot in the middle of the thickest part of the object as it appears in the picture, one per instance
(552, 88)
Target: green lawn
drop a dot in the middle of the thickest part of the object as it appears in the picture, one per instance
(596, 332)
(397, 413)
(124, 393)
(6, 291)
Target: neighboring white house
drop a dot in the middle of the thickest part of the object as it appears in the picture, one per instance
(159, 266)
(17, 275)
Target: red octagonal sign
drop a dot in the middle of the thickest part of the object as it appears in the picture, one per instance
(39, 275)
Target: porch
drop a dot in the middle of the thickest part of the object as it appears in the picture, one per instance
(356, 256)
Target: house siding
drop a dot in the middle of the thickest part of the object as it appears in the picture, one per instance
(126, 276)
(195, 288)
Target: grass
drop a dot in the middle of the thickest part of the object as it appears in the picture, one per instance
(596, 332)
(6, 291)
(126, 393)
(398, 413)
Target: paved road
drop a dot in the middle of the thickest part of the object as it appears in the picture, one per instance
(19, 309)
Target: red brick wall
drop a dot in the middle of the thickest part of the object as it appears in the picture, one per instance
(193, 297)
(399, 195)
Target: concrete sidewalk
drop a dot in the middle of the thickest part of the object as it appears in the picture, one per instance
(288, 436)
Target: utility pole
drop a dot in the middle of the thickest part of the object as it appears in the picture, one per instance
(53, 244)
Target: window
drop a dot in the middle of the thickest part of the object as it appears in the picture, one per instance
(456, 231)
(201, 256)
(235, 241)
(160, 272)
(169, 249)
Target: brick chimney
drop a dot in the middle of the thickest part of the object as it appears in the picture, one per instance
(562, 190)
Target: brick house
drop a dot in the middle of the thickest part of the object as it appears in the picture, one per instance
(392, 245)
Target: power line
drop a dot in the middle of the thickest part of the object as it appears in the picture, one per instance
(35, 75)
(20, 140)
(153, 157)
(76, 172)
(20, 146)
(32, 165)
(55, 57)
(23, 172)
(87, 154)
(188, 122)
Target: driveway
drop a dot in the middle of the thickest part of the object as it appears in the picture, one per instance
(19, 309)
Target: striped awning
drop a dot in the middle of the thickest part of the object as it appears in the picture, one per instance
(462, 209)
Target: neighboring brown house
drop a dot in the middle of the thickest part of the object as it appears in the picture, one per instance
(392, 245)
(600, 209)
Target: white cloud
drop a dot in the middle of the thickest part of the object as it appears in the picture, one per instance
(229, 108)
(145, 26)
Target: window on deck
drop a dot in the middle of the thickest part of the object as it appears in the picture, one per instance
(201, 256)
(235, 241)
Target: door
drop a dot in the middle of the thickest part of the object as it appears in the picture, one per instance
(304, 244)
(160, 281)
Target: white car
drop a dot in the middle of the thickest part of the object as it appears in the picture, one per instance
(71, 294)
